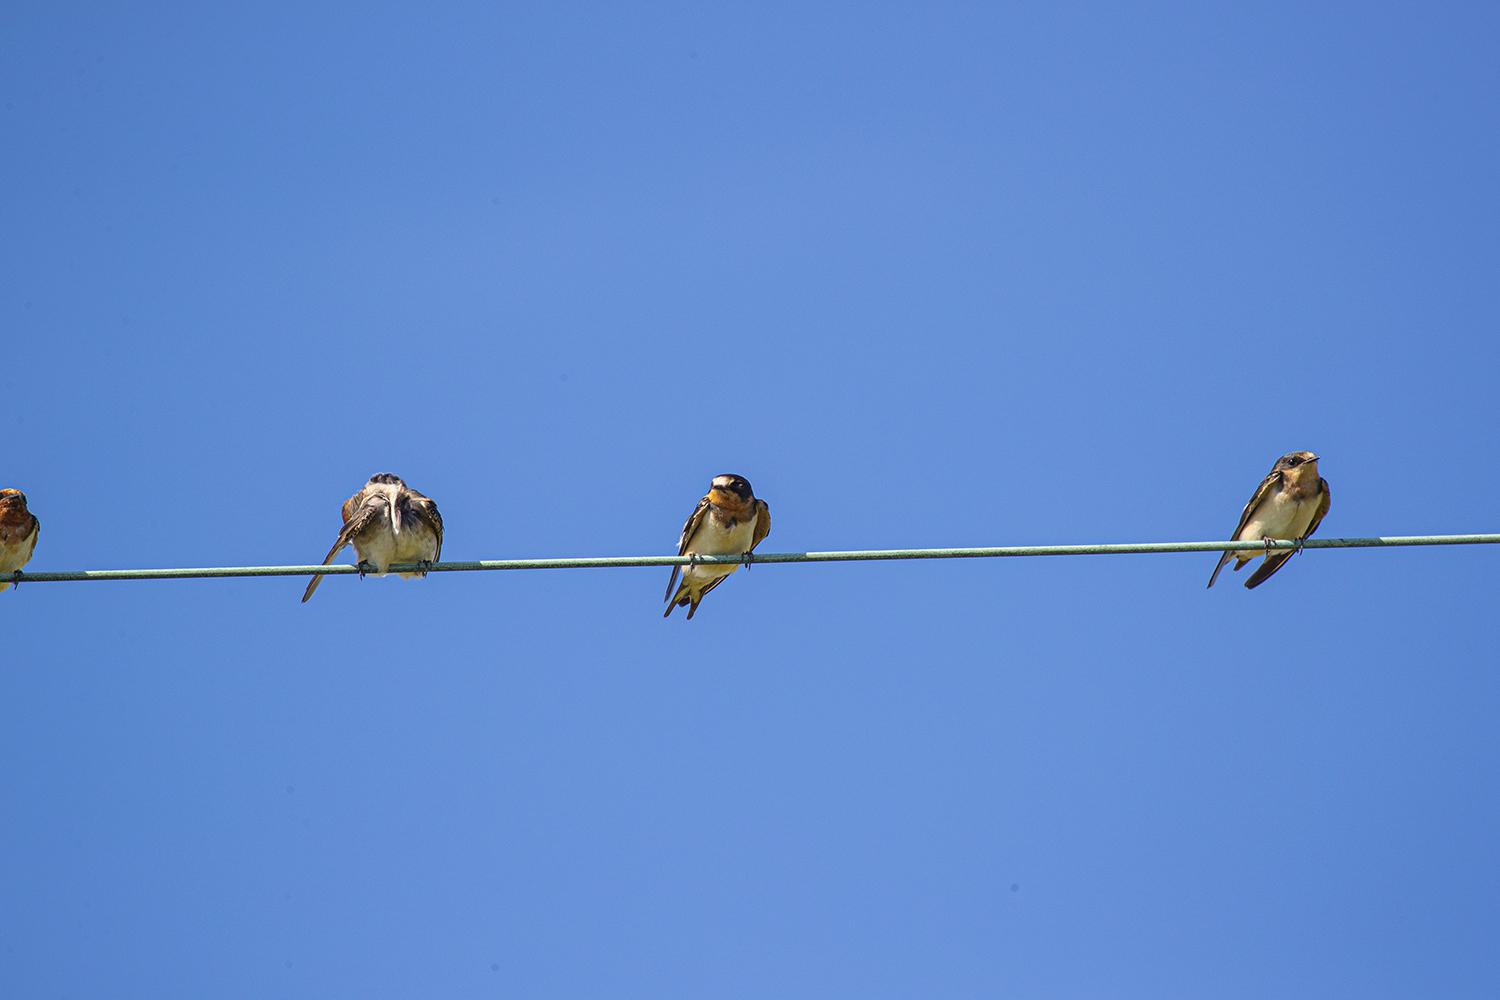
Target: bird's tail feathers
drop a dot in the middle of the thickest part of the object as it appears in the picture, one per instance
(677, 600)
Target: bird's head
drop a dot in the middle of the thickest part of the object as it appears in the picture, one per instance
(1295, 460)
(1298, 466)
(730, 490)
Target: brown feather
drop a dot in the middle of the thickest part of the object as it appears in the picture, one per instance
(762, 523)
(425, 509)
(1261, 492)
(689, 527)
(357, 516)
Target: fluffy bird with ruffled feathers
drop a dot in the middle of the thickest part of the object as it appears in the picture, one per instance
(388, 522)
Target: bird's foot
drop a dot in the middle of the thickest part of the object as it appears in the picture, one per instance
(692, 558)
(746, 560)
(15, 581)
(423, 565)
(364, 567)
(1267, 540)
(1300, 543)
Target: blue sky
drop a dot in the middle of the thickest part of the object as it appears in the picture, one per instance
(942, 274)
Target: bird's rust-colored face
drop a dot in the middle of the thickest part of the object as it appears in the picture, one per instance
(730, 490)
(13, 513)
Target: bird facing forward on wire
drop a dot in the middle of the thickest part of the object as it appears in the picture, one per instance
(729, 520)
(1288, 504)
(19, 530)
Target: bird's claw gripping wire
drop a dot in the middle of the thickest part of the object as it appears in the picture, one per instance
(364, 566)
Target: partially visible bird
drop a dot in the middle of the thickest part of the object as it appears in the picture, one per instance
(387, 522)
(1289, 504)
(729, 520)
(19, 530)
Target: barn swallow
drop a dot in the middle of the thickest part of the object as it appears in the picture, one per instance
(1289, 504)
(387, 522)
(19, 530)
(729, 520)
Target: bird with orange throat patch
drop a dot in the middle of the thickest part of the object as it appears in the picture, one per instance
(387, 522)
(1290, 503)
(19, 530)
(728, 521)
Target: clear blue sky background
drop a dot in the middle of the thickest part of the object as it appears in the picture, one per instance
(947, 274)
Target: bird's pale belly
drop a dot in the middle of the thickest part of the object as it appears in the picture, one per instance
(415, 545)
(713, 539)
(377, 548)
(14, 555)
(1280, 517)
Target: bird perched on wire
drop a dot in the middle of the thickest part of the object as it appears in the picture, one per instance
(388, 522)
(1289, 504)
(19, 530)
(729, 520)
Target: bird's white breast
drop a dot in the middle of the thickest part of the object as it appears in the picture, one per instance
(15, 553)
(1280, 516)
(714, 538)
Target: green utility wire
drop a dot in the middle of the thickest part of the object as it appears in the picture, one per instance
(871, 555)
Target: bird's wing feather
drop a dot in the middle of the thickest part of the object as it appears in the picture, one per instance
(360, 511)
(357, 515)
(762, 523)
(1261, 492)
(1322, 509)
(1222, 560)
(1268, 568)
(426, 509)
(689, 528)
